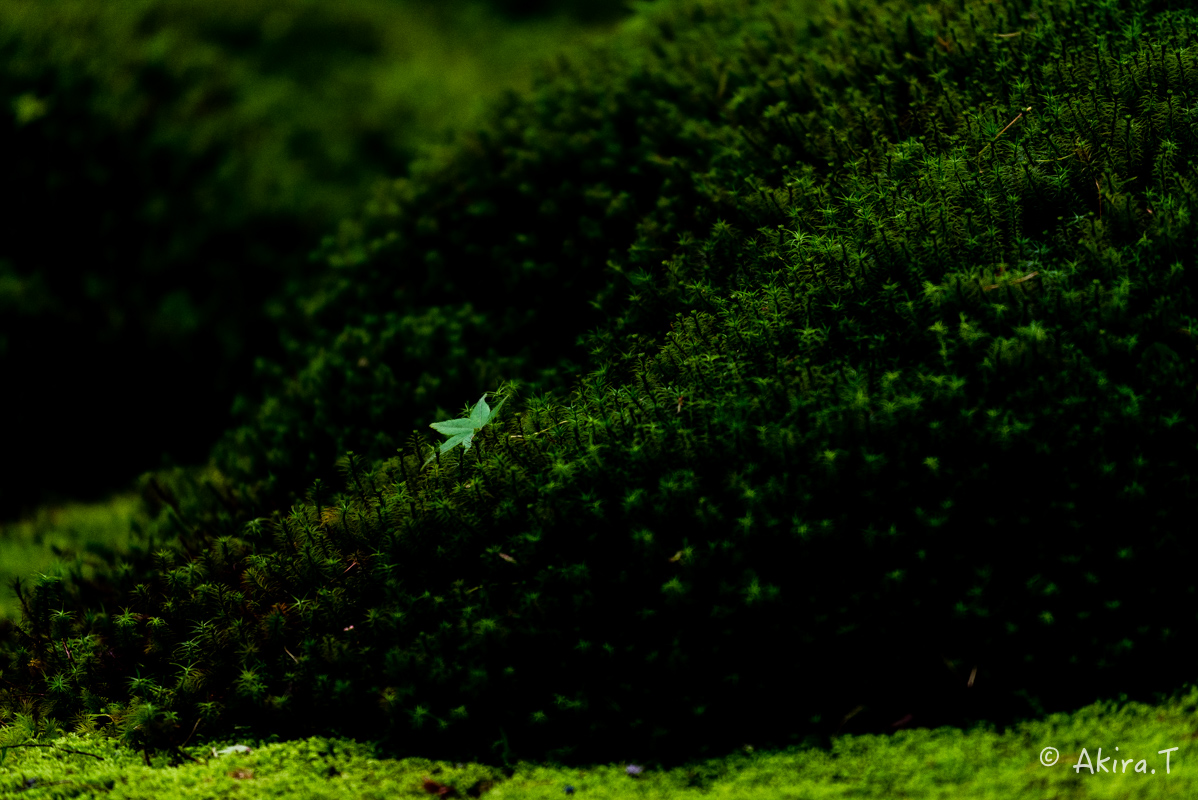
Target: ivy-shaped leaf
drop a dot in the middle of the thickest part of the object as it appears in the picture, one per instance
(461, 431)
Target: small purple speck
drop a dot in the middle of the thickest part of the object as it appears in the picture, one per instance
(633, 769)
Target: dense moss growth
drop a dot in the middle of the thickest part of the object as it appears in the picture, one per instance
(173, 164)
(847, 370)
(462, 274)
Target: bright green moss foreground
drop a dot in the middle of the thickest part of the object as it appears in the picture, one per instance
(944, 763)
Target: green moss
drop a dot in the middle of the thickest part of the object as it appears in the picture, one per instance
(919, 763)
(835, 406)
(87, 535)
(179, 160)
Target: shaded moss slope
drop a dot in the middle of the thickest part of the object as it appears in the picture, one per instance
(174, 163)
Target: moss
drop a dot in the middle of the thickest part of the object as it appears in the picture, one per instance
(196, 152)
(89, 535)
(1022, 762)
(834, 408)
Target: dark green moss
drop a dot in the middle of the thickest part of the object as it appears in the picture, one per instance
(840, 432)
(178, 160)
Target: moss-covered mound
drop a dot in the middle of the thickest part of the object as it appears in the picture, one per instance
(845, 376)
(172, 164)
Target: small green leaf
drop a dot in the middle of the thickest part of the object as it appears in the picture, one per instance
(461, 431)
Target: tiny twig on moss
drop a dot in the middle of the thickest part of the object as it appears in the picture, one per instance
(1000, 133)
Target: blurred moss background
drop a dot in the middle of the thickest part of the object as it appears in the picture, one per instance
(172, 164)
